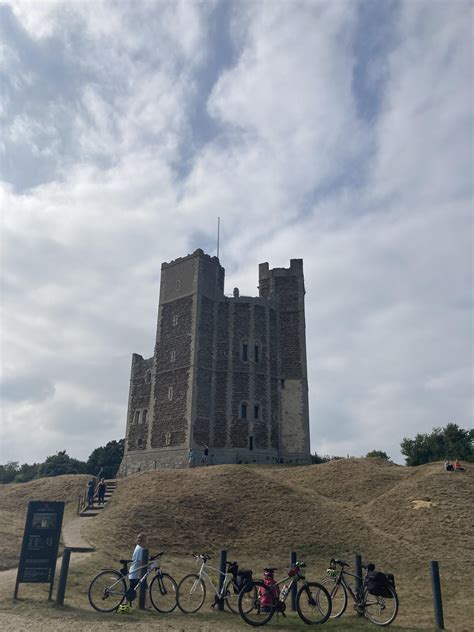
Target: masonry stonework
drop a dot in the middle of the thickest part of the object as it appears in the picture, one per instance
(227, 372)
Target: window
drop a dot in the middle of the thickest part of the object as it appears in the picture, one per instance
(140, 443)
(168, 438)
(256, 411)
(175, 320)
(144, 414)
(136, 417)
(148, 377)
(243, 410)
(257, 352)
(178, 286)
(170, 393)
(173, 356)
(245, 352)
(250, 443)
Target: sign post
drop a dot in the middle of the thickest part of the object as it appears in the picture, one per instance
(39, 550)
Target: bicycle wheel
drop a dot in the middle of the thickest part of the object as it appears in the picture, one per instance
(107, 591)
(259, 605)
(313, 603)
(338, 594)
(231, 596)
(163, 592)
(381, 610)
(191, 593)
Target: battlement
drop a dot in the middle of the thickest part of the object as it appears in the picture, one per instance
(199, 252)
(295, 269)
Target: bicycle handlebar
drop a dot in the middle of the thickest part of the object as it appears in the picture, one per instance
(202, 556)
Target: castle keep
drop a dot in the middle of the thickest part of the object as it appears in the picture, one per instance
(227, 372)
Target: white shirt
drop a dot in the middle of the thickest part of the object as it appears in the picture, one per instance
(135, 571)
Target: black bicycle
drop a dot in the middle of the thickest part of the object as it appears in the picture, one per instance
(377, 600)
(259, 600)
(110, 588)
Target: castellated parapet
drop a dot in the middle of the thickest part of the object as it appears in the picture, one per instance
(227, 372)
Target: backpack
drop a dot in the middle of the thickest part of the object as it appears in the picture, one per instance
(377, 584)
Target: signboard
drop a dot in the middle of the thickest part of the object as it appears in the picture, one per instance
(39, 550)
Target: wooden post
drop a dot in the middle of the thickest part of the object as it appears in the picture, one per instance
(222, 565)
(143, 587)
(437, 600)
(294, 587)
(358, 581)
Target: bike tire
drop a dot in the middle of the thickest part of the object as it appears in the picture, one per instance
(313, 603)
(338, 594)
(381, 610)
(163, 593)
(264, 604)
(231, 596)
(191, 594)
(108, 586)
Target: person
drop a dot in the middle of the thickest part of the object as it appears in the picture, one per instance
(457, 466)
(191, 457)
(448, 466)
(135, 572)
(101, 492)
(90, 492)
(205, 455)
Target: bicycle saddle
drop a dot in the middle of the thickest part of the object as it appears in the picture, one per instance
(269, 569)
(340, 562)
(125, 561)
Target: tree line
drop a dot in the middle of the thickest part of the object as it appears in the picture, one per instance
(451, 442)
(105, 459)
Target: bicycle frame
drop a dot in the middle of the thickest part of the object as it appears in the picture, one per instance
(202, 573)
(342, 580)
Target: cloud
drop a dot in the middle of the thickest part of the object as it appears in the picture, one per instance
(336, 132)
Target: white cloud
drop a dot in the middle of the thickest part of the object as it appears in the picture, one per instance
(104, 179)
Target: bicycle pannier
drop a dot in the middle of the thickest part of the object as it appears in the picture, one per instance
(377, 584)
(244, 579)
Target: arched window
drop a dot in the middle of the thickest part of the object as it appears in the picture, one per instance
(170, 393)
(173, 356)
(243, 410)
(245, 351)
(148, 377)
(140, 443)
(175, 320)
(256, 411)
(256, 352)
(136, 416)
(144, 414)
(178, 285)
(168, 438)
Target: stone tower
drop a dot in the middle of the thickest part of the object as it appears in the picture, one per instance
(227, 372)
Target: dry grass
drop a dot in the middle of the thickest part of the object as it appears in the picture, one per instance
(260, 514)
(14, 499)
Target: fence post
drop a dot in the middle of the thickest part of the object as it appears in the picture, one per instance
(222, 564)
(63, 577)
(294, 587)
(358, 581)
(143, 587)
(437, 600)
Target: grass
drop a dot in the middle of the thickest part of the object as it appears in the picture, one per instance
(260, 514)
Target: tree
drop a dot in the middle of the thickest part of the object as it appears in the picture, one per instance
(315, 458)
(442, 443)
(378, 454)
(9, 471)
(27, 473)
(107, 459)
(61, 463)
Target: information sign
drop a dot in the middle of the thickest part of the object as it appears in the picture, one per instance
(39, 550)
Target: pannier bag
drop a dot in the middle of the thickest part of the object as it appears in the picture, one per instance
(377, 584)
(244, 579)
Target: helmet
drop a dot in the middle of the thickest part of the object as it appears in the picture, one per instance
(123, 609)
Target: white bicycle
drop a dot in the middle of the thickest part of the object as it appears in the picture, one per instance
(192, 588)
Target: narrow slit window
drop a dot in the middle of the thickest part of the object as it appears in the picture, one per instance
(257, 353)
(148, 377)
(136, 417)
(250, 443)
(243, 410)
(245, 352)
(256, 411)
(173, 356)
(178, 286)
(170, 393)
(175, 320)
(144, 414)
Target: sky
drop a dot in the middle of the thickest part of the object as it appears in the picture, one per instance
(338, 132)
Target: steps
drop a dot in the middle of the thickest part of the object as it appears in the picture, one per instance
(95, 510)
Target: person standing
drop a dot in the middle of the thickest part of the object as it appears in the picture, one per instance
(205, 455)
(191, 457)
(135, 572)
(101, 492)
(90, 492)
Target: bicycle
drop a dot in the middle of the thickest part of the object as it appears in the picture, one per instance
(192, 588)
(380, 610)
(109, 588)
(313, 602)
